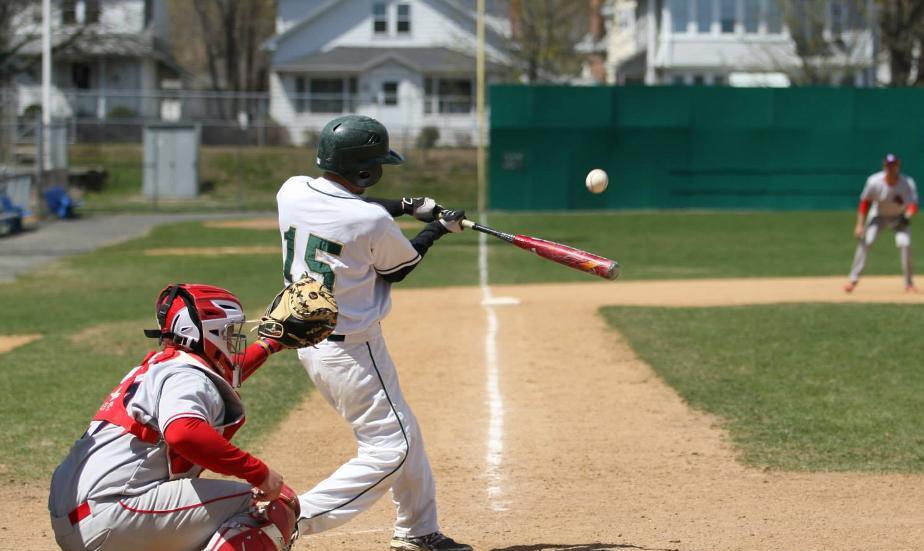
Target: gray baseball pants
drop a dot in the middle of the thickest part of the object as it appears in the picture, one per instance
(902, 241)
(179, 515)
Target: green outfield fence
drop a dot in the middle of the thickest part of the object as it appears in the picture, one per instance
(689, 147)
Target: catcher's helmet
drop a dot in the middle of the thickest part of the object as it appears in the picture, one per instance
(356, 147)
(205, 320)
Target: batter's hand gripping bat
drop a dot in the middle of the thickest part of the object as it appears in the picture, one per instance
(556, 252)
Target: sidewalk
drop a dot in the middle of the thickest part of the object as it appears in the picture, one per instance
(56, 239)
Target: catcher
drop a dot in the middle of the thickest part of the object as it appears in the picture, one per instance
(131, 481)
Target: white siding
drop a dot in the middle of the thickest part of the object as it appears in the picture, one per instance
(122, 16)
(349, 23)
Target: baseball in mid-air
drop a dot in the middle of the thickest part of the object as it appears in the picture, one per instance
(597, 180)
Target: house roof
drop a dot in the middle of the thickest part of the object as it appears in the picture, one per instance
(354, 59)
(274, 41)
(94, 44)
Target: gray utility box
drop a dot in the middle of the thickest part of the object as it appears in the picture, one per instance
(171, 160)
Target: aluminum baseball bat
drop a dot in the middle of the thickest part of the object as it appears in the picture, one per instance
(556, 252)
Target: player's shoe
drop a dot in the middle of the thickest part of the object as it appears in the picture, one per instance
(850, 286)
(431, 542)
(911, 289)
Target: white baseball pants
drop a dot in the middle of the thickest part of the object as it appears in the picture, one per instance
(902, 242)
(358, 378)
(179, 515)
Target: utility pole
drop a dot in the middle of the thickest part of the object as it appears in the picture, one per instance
(479, 110)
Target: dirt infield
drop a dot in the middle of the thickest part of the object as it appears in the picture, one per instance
(597, 453)
(11, 342)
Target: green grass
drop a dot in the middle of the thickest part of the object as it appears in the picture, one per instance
(249, 177)
(816, 387)
(684, 245)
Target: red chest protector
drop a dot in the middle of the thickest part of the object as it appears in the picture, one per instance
(114, 410)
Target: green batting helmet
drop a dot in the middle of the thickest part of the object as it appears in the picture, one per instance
(356, 147)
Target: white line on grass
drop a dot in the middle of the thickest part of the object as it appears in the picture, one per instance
(495, 400)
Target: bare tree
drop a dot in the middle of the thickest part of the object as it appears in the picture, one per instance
(833, 38)
(901, 24)
(544, 34)
(231, 33)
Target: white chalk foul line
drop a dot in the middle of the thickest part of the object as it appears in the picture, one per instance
(495, 400)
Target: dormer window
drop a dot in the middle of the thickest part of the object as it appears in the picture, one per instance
(379, 18)
(404, 18)
(80, 11)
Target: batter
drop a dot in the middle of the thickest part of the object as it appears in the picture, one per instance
(330, 231)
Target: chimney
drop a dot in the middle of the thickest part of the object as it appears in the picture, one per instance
(596, 20)
(515, 18)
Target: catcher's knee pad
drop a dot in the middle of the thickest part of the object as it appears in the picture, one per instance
(275, 530)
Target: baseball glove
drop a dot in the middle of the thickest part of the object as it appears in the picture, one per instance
(303, 314)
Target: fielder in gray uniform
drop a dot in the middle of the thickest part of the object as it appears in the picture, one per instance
(131, 481)
(330, 231)
(888, 201)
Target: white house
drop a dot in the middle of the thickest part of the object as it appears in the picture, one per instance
(408, 63)
(118, 56)
(740, 42)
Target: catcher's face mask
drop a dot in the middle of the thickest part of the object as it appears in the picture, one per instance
(206, 320)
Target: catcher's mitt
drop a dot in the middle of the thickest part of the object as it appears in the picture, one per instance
(303, 314)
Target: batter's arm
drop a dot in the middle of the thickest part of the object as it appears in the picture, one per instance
(421, 243)
(393, 206)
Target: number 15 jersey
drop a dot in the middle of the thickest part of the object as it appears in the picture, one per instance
(331, 234)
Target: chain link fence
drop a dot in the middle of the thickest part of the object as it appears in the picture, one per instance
(245, 154)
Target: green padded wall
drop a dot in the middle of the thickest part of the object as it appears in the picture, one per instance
(689, 147)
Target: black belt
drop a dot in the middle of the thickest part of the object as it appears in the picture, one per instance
(336, 338)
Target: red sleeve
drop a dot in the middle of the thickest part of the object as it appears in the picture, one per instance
(256, 355)
(912, 209)
(200, 443)
(864, 206)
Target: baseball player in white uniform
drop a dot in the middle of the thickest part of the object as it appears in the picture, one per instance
(889, 200)
(130, 482)
(330, 231)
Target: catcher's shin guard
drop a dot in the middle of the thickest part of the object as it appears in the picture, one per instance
(277, 532)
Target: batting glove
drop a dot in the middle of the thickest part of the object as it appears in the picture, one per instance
(452, 220)
(424, 209)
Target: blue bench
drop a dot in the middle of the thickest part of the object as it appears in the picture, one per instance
(60, 203)
(10, 216)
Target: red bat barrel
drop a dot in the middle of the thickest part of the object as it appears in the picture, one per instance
(569, 256)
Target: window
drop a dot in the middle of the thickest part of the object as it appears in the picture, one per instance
(448, 95)
(455, 96)
(698, 80)
(69, 11)
(404, 18)
(80, 75)
(91, 11)
(680, 15)
(704, 16)
(429, 92)
(389, 93)
(326, 95)
(837, 18)
(751, 16)
(300, 99)
(379, 18)
(727, 16)
(774, 17)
